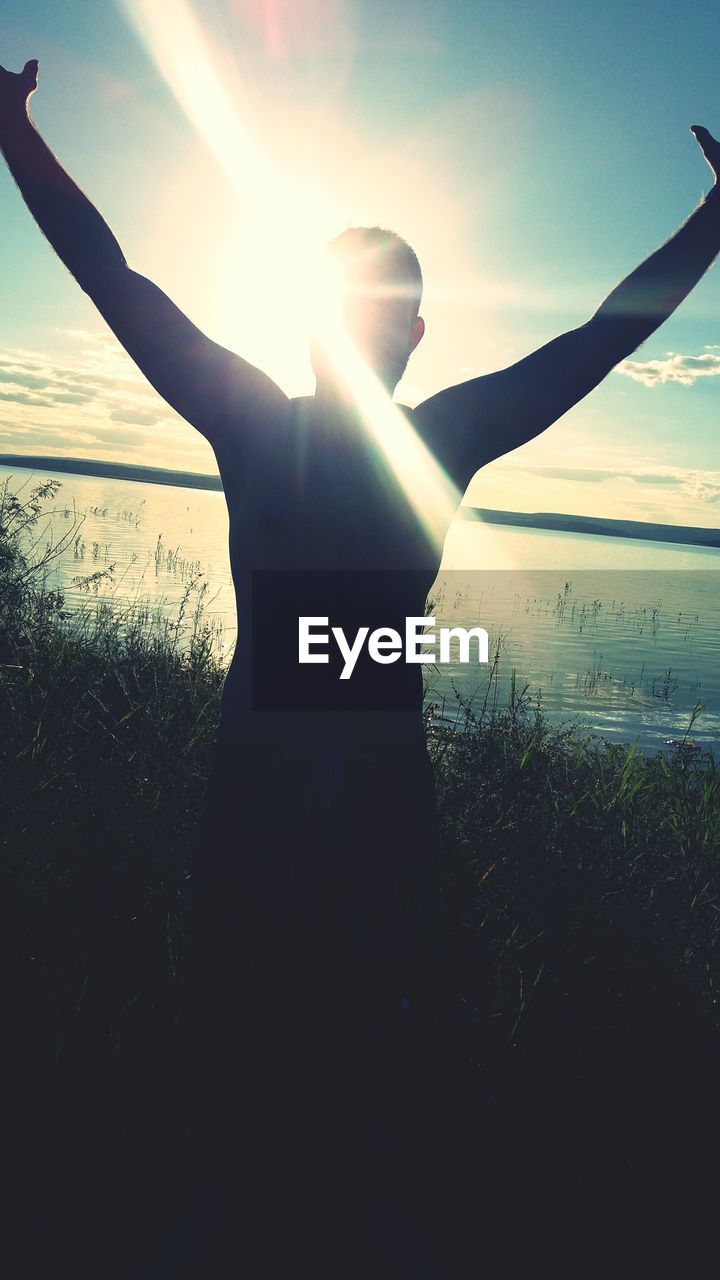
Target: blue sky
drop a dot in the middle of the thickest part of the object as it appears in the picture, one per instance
(532, 153)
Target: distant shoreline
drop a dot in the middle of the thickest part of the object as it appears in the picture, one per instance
(112, 471)
(637, 530)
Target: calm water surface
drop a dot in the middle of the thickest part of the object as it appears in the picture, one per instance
(620, 636)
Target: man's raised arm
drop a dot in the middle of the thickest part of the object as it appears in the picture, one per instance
(486, 417)
(204, 382)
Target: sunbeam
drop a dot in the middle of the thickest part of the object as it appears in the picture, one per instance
(288, 225)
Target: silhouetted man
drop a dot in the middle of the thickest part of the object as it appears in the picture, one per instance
(318, 881)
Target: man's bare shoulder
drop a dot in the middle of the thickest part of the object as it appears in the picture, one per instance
(455, 425)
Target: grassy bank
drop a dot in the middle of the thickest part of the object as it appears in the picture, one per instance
(581, 885)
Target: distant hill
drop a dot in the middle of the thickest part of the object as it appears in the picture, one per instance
(111, 470)
(690, 535)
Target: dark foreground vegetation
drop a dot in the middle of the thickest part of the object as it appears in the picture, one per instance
(583, 904)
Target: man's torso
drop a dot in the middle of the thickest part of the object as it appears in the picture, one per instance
(313, 500)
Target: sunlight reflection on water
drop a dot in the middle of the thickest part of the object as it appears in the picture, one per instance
(618, 635)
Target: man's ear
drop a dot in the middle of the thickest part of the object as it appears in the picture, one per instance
(418, 330)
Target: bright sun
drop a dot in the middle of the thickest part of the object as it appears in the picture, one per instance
(273, 290)
(276, 287)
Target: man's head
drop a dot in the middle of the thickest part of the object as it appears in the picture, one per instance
(381, 287)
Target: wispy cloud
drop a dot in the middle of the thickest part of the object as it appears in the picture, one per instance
(674, 368)
(91, 404)
(686, 483)
(135, 417)
(593, 475)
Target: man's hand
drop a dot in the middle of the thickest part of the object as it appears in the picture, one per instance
(710, 148)
(15, 89)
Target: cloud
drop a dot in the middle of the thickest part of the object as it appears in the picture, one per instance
(18, 377)
(68, 397)
(693, 485)
(25, 397)
(642, 477)
(16, 439)
(78, 405)
(23, 379)
(134, 417)
(674, 368)
(595, 475)
(586, 475)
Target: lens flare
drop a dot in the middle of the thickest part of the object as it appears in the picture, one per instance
(184, 57)
(287, 223)
(326, 297)
(429, 490)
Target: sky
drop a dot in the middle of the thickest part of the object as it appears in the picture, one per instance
(533, 153)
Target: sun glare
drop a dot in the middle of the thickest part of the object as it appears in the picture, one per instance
(276, 285)
(275, 289)
(434, 497)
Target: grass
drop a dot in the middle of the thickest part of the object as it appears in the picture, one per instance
(556, 845)
(581, 885)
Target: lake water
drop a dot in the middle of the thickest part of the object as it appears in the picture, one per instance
(620, 636)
